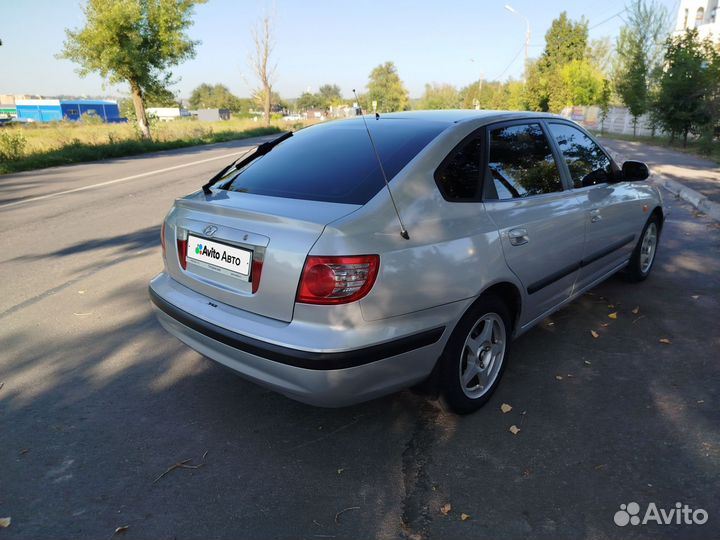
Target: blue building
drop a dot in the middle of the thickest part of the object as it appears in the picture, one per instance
(53, 110)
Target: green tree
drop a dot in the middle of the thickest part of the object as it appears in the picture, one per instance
(631, 78)
(387, 89)
(546, 86)
(689, 86)
(578, 83)
(218, 96)
(604, 103)
(639, 55)
(440, 96)
(308, 100)
(135, 42)
(331, 95)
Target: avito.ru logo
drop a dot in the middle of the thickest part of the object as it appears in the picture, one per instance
(680, 515)
(198, 249)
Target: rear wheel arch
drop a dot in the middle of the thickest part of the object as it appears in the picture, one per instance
(509, 294)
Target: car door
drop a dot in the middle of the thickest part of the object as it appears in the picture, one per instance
(541, 222)
(612, 208)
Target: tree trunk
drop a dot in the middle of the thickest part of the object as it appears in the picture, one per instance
(685, 135)
(634, 126)
(142, 121)
(266, 104)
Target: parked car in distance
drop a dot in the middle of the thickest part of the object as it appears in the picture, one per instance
(292, 270)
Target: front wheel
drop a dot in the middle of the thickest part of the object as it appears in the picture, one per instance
(643, 257)
(475, 356)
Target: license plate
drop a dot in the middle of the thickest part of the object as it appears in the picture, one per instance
(223, 258)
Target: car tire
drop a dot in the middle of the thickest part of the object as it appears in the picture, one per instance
(643, 257)
(475, 356)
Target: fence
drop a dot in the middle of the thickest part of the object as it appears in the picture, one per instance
(618, 120)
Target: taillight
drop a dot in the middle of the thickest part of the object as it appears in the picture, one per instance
(181, 235)
(257, 265)
(337, 280)
(162, 238)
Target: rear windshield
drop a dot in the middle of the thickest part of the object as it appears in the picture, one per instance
(335, 162)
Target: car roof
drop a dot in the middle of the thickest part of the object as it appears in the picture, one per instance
(456, 116)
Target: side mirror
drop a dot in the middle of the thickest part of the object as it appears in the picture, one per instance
(634, 171)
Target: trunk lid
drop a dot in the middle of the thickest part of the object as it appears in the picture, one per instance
(278, 231)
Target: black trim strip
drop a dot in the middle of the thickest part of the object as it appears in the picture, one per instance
(552, 278)
(556, 276)
(293, 357)
(608, 250)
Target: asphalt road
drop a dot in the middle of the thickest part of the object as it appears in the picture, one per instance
(702, 175)
(97, 401)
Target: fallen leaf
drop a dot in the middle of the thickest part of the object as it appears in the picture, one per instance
(340, 471)
(558, 377)
(505, 408)
(701, 401)
(695, 296)
(24, 451)
(550, 323)
(569, 375)
(81, 292)
(514, 429)
(122, 529)
(445, 509)
(588, 363)
(5, 522)
(665, 341)
(604, 324)
(600, 467)
(464, 517)
(613, 315)
(636, 310)
(594, 334)
(610, 306)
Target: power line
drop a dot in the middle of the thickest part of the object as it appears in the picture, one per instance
(499, 77)
(608, 19)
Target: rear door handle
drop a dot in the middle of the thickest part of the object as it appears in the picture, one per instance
(595, 215)
(518, 237)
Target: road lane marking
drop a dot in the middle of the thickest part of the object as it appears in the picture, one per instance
(118, 180)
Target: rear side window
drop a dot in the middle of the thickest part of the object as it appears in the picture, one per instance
(459, 177)
(335, 162)
(521, 163)
(587, 162)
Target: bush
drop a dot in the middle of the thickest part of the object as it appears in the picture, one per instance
(12, 145)
(91, 119)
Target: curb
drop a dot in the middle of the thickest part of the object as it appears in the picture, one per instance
(699, 201)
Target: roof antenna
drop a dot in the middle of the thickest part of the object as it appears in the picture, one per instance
(403, 230)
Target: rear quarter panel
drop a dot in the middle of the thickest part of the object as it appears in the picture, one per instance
(454, 249)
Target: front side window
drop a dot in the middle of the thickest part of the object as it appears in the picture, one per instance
(521, 163)
(459, 177)
(587, 162)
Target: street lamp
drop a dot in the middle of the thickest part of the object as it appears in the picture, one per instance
(527, 29)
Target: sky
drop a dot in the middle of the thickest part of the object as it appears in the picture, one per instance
(317, 42)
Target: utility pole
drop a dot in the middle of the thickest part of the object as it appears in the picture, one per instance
(528, 34)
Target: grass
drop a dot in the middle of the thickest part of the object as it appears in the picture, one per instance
(37, 146)
(694, 147)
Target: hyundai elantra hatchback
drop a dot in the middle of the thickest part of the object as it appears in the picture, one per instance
(355, 258)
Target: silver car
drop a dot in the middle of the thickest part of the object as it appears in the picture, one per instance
(355, 258)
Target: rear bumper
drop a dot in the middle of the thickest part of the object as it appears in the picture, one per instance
(328, 379)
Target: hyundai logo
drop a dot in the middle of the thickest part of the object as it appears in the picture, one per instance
(210, 230)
